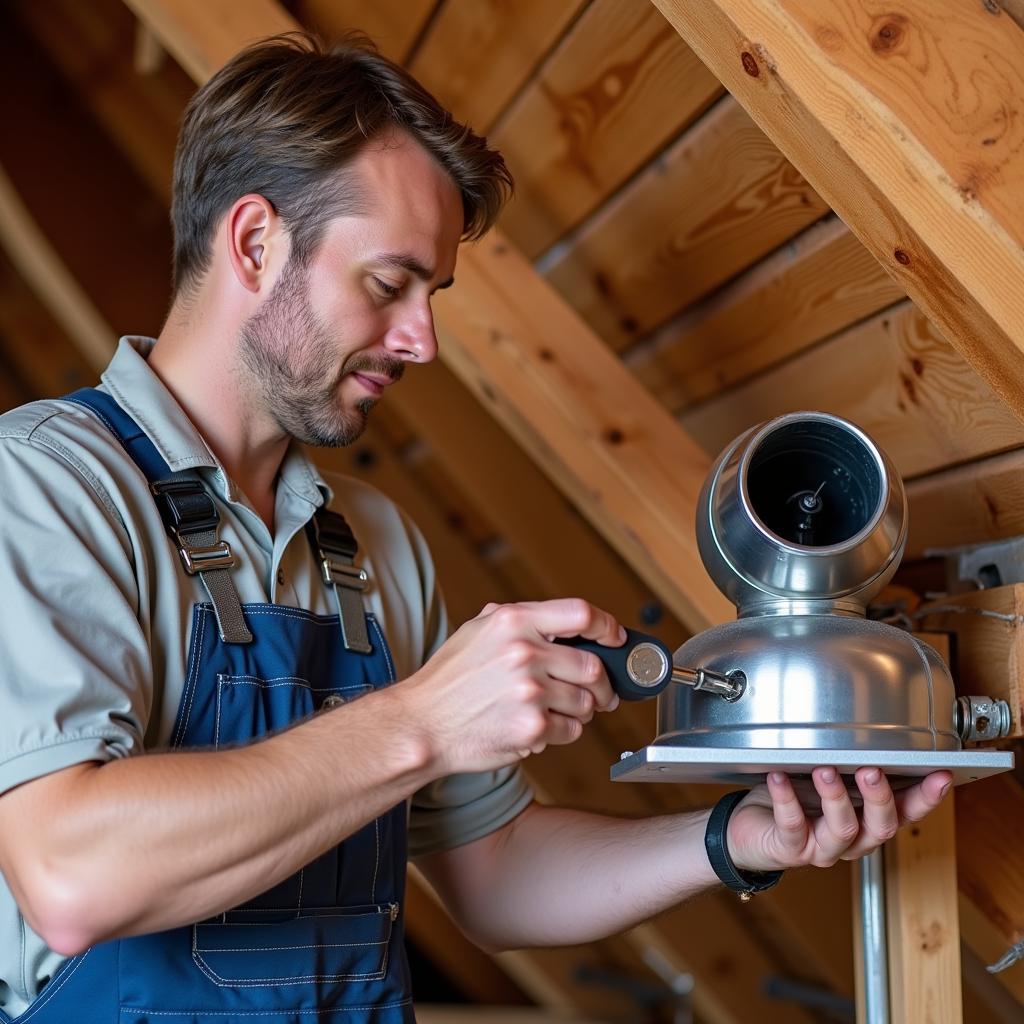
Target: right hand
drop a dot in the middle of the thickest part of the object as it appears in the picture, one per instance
(499, 689)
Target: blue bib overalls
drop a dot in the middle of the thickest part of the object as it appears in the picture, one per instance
(325, 944)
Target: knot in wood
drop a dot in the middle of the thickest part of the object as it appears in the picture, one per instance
(889, 34)
(901, 257)
(750, 64)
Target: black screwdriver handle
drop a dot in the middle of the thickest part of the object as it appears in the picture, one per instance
(639, 669)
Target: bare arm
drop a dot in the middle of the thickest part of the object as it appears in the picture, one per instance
(558, 877)
(152, 842)
(161, 840)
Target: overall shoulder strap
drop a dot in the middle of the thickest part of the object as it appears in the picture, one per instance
(335, 547)
(134, 441)
(189, 514)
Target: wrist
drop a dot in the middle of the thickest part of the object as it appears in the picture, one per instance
(418, 743)
(742, 881)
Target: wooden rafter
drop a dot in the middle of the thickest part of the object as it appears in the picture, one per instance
(41, 266)
(904, 116)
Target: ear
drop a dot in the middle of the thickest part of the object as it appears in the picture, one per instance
(255, 241)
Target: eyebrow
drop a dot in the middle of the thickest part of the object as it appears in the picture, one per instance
(406, 261)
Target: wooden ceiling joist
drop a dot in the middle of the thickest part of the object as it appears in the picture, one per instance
(498, 45)
(619, 87)
(394, 25)
(894, 376)
(812, 287)
(717, 200)
(905, 118)
(980, 501)
(44, 270)
(584, 418)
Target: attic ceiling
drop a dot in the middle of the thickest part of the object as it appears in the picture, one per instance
(653, 218)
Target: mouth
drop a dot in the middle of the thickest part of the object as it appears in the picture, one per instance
(375, 383)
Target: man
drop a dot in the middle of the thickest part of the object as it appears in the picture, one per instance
(179, 585)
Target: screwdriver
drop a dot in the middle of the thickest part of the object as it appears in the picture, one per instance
(642, 667)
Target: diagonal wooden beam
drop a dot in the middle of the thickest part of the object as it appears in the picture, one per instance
(41, 266)
(902, 117)
(202, 37)
(585, 419)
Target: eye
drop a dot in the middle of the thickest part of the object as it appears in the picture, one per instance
(388, 290)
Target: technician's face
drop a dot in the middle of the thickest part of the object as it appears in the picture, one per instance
(334, 334)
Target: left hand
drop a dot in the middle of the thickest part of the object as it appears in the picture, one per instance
(770, 831)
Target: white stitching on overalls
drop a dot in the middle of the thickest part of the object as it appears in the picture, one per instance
(193, 671)
(263, 1013)
(50, 991)
(376, 863)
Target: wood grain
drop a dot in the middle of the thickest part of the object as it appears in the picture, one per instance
(203, 36)
(990, 824)
(476, 56)
(817, 284)
(565, 555)
(895, 377)
(394, 25)
(714, 203)
(979, 501)
(848, 91)
(923, 922)
(620, 86)
(89, 43)
(986, 651)
(586, 420)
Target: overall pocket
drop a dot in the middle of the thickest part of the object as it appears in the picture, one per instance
(249, 707)
(257, 948)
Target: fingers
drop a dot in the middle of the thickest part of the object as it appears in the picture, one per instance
(572, 701)
(572, 616)
(879, 820)
(583, 669)
(791, 827)
(914, 803)
(838, 826)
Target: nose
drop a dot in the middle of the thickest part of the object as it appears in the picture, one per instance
(411, 335)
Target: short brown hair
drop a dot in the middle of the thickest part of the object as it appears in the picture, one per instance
(284, 116)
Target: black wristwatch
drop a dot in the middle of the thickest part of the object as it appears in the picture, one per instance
(745, 883)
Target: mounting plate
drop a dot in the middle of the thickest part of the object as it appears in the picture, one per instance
(748, 766)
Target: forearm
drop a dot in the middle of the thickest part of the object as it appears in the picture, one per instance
(558, 877)
(156, 841)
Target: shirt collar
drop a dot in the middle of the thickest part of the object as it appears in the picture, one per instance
(141, 393)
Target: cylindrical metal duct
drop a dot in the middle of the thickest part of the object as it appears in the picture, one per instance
(801, 522)
(803, 513)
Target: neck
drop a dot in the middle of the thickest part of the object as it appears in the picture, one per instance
(198, 367)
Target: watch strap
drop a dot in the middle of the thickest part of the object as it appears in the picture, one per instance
(745, 883)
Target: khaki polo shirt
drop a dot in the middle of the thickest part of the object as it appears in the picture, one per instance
(96, 608)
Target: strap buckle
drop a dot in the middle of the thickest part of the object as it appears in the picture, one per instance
(187, 509)
(204, 559)
(338, 574)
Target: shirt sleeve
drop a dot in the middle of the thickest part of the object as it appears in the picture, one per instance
(458, 809)
(75, 674)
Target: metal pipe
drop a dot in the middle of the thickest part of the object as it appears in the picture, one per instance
(874, 949)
